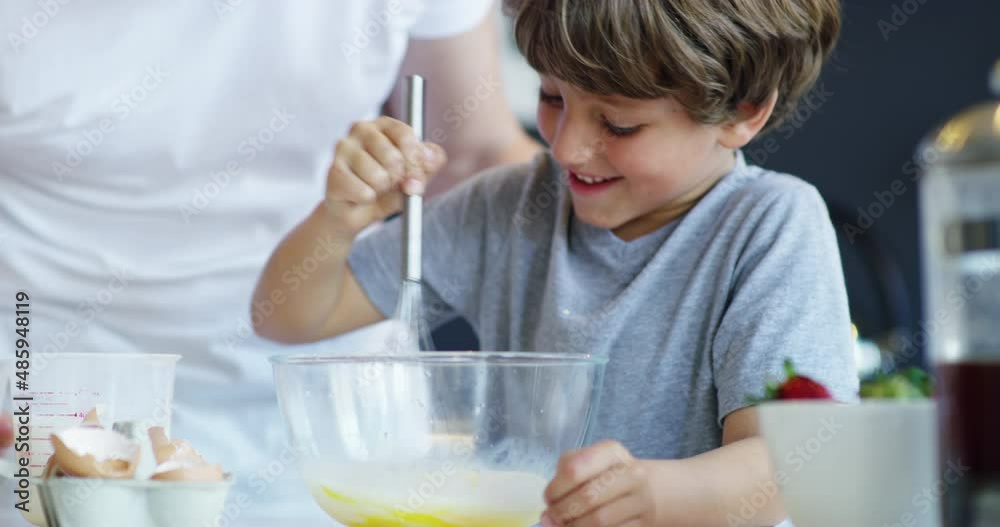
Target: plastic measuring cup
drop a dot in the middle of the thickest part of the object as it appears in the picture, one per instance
(8, 514)
(64, 387)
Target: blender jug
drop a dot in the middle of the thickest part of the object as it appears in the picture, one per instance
(960, 208)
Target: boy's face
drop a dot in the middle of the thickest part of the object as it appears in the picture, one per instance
(656, 161)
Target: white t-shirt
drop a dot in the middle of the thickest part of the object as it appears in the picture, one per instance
(153, 154)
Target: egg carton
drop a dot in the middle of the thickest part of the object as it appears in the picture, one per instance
(88, 502)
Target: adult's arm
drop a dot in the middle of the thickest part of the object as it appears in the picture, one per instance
(466, 109)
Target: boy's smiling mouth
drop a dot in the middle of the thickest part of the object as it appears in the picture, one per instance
(589, 184)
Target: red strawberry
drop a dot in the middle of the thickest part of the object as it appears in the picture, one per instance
(795, 387)
(802, 387)
(6, 431)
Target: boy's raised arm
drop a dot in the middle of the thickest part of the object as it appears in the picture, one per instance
(310, 306)
(307, 280)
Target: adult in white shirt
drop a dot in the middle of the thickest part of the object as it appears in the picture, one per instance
(153, 153)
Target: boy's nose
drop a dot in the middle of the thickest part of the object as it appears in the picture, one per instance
(575, 146)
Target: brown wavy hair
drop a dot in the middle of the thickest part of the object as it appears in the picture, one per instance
(710, 55)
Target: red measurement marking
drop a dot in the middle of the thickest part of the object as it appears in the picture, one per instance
(43, 426)
(37, 466)
(51, 404)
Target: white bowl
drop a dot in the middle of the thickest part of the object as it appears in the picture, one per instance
(874, 463)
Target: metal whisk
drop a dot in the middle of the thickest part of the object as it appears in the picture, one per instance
(409, 309)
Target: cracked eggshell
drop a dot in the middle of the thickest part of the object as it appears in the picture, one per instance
(94, 453)
(93, 418)
(177, 460)
(177, 450)
(158, 438)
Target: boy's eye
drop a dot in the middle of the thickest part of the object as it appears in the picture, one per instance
(620, 131)
(549, 98)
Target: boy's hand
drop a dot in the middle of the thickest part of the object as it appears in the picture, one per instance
(371, 165)
(599, 486)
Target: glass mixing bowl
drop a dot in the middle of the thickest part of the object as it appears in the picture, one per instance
(436, 439)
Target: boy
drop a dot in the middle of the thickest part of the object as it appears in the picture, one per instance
(642, 233)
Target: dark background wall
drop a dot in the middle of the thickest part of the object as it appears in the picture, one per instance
(899, 70)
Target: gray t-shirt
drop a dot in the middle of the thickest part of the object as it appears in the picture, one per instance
(695, 316)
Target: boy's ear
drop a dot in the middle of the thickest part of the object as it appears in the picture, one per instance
(749, 120)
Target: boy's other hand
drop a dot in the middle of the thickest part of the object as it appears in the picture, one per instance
(599, 486)
(371, 165)
(6, 431)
